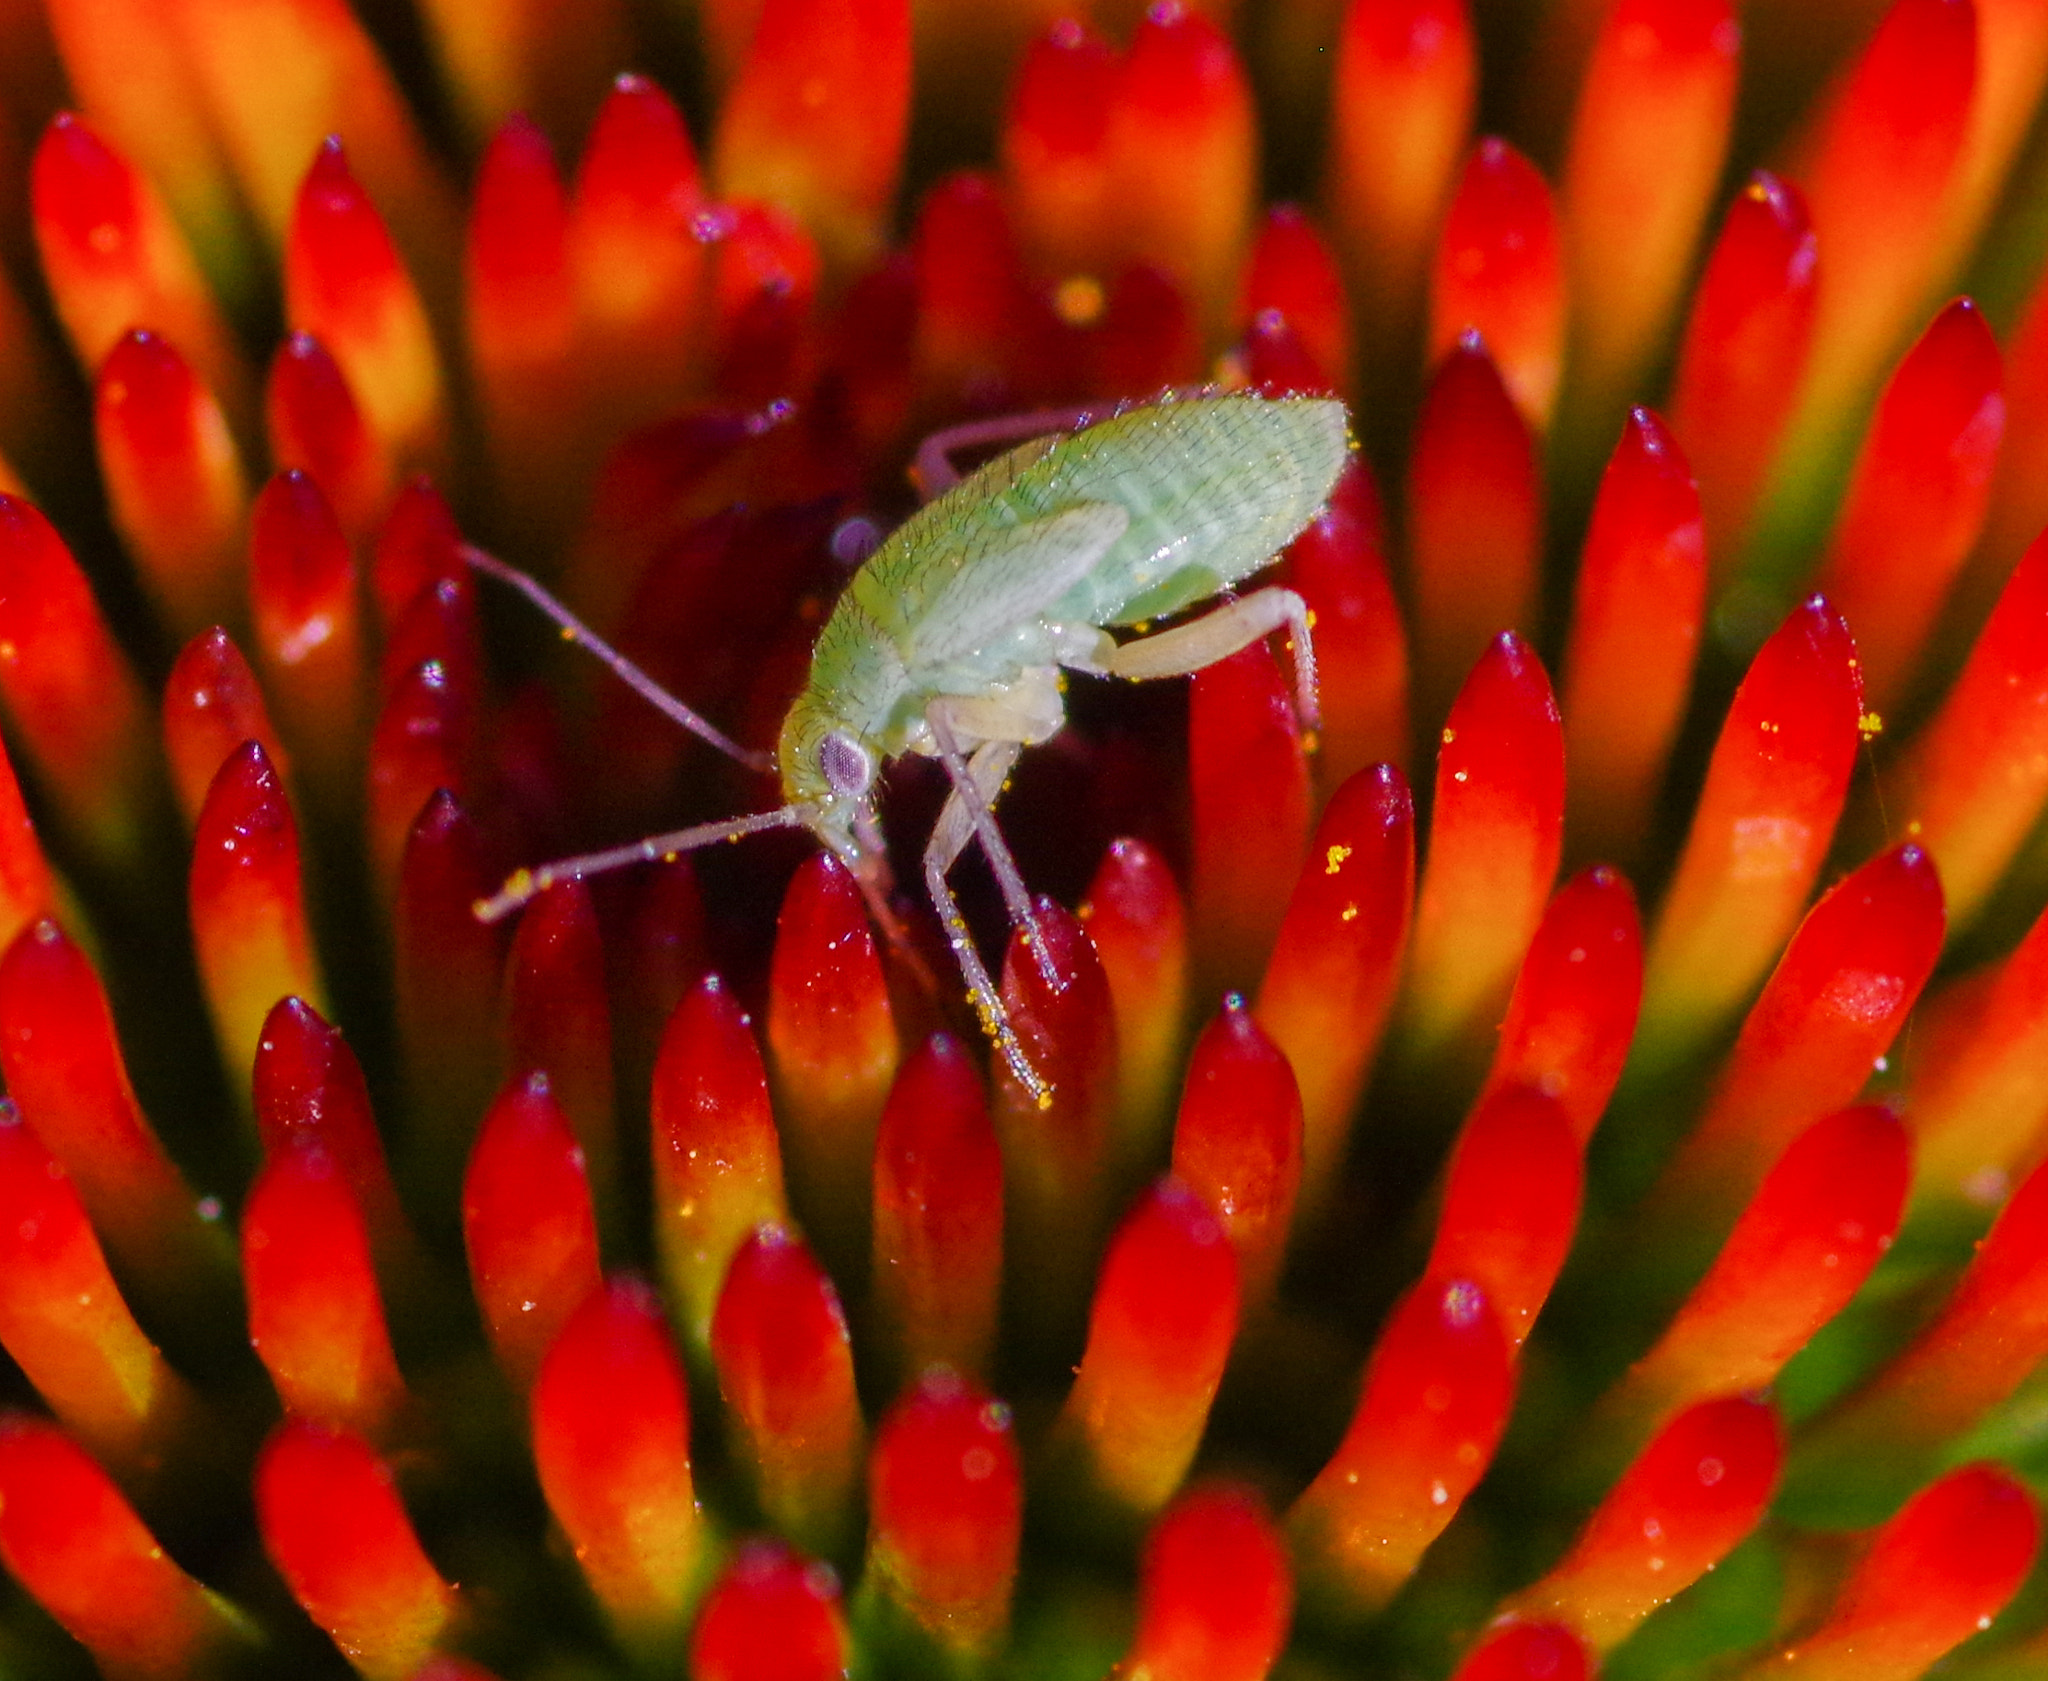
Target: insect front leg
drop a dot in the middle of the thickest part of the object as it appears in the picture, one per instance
(1219, 634)
(978, 781)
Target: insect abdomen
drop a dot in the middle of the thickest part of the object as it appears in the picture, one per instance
(1215, 488)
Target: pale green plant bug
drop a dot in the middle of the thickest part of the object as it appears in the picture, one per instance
(950, 638)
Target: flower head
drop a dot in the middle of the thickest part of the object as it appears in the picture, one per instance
(1528, 1174)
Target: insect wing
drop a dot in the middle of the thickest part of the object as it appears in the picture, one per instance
(1005, 579)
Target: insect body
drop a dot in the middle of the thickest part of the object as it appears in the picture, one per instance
(950, 638)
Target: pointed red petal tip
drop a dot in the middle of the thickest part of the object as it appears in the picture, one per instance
(635, 254)
(1935, 1575)
(1138, 923)
(446, 968)
(1237, 1142)
(1061, 1152)
(1292, 270)
(1339, 566)
(1978, 1084)
(1475, 520)
(1524, 1651)
(817, 117)
(248, 911)
(212, 704)
(1975, 777)
(558, 1015)
(766, 271)
(771, 1599)
(1743, 353)
(63, 1066)
(973, 299)
(1882, 159)
(938, 1202)
(424, 743)
(1774, 790)
(517, 255)
(1699, 1488)
(1648, 140)
(1499, 271)
(1916, 503)
(831, 1036)
(1990, 1333)
(69, 1537)
(417, 546)
(1495, 838)
(1572, 1015)
(1216, 1593)
(315, 424)
(1184, 141)
(1635, 633)
(64, 1323)
(174, 482)
(611, 1440)
(1511, 1204)
(310, 638)
(345, 283)
(114, 259)
(1401, 117)
(1251, 808)
(316, 1319)
(1060, 106)
(717, 1163)
(80, 715)
(26, 886)
(1822, 1219)
(785, 1368)
(309, 1091)
(1828, 1014)
(333, 1526)
(639, 156)
(85, 194)
(946, 1509)
(1338, 957)
(1434, 1401)
(527, 1224)
(1164, 1318)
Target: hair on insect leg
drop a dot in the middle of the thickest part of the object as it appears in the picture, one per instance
(575, 630)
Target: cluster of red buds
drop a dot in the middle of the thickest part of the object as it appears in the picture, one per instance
(1503, 1206)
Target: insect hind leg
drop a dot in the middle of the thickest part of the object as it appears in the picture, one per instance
(1218, 634)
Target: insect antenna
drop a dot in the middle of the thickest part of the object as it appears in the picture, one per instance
(524, 886)
(575, 630)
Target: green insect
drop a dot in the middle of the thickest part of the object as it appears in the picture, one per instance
(950, 639)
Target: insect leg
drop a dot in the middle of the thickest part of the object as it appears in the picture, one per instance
(575, 630)
(980, 779)
(979, 807)
(1218, 634)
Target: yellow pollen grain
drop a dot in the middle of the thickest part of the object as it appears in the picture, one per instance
(1348, 914)
(1333, 860)
(1870, 724)
(1078, 300)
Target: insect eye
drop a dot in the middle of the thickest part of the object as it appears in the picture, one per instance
(849, 772)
